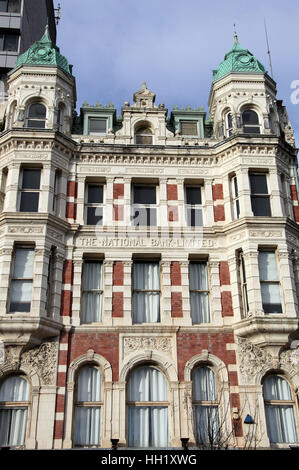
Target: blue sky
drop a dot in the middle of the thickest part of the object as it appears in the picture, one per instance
(173, 45)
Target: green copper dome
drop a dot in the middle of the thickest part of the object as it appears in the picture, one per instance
(238, 60)
(44, 52)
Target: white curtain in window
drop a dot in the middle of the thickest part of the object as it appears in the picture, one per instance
(268, 266)
(146, 305)
(21, 292)
(92, 301)
(207, 424)
(147, 425)
(87, 426)
(23, 263)
(88, 419)
(13, 420)
(199, 301)
(280, 418)
(204, 384)
(12, 426)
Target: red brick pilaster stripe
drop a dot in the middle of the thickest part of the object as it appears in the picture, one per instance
(71, 205)
(118, 290)
(217, 191)
(61, 388)
(176, 290)
(295, 202)
(172, 200)
(225, 288)
(67, 288)
(118, 205)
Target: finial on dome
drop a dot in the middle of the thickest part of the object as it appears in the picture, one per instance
(236, 40)
(143, 85)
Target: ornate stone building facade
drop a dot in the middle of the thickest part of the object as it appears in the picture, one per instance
(148, 264)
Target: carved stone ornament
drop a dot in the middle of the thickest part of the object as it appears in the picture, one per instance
(41, 360)
(253, 359)
(2, 353)
(147, 343)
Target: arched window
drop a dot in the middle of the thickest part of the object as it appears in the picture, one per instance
(88, 407)
(36, 117)
(250, 121)
(14, 402)
(279, 409)
(147, 408)
(144, 136)
(228, 125)
(205, 404)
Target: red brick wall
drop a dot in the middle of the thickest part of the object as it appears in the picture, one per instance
(219, 215)
(118, 273)
(224, 273)
(227, 304)
(117, 304)
(173, 214)
(72, 189)
(71, 210)
(66, 303)
(172, 192)
(68, 272)
(296, 213)
(294, 192)
(176, 305)
(118, 190)
(118, 212)
(217, 191)
(105, 344)
(175, 274)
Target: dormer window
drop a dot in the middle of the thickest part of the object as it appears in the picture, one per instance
(143, 136)
(189, 128)
(251, 123)
(36, 117)
(97, 126)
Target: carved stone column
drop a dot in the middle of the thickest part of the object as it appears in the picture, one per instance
(215, 294)
(276, 200)
(81, 200)
(107, 288)
(165, 298)
(253, 283)
(208, 210)
(244, 193)
(288, 287)
(12, 188)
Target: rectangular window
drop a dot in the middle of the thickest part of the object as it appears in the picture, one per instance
(260, 199)
(235, 197)
(92, 297)
(270, 285)
(55, 207)
(193, 206)
(22, 280)
(243, 284)
(30, 188)
(50, 282)
(97, 126)
(94, 204)
(9, 42)
(146, 293)
(10, 6)
(144, 210)
(189, 128)
(199, 293)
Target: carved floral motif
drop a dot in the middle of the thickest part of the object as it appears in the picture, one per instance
(145, 343)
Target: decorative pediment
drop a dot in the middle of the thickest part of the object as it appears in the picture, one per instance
(144, 98)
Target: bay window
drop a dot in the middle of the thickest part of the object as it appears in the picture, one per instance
(260, 198)
(30, 189)
(269, 281)
(21, 280)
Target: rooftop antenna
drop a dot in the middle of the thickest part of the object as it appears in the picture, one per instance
(268, 48)
(57, 13)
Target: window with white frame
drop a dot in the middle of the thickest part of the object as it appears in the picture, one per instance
(228, 125)
(147, 399)
(97, 126)
(36, 116)
(279, 409)
(260, 197)
(244, 293)
(193, 206)
(10, 6)
(199, 292)
(235, 197)
(30, 189)
(146, 292)
(21, 280)
(205, 405)
(189, 128)
(88, 407)
(94, 203)
(269, 281)
(92, 295)
(144, 208)
(250, 122)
